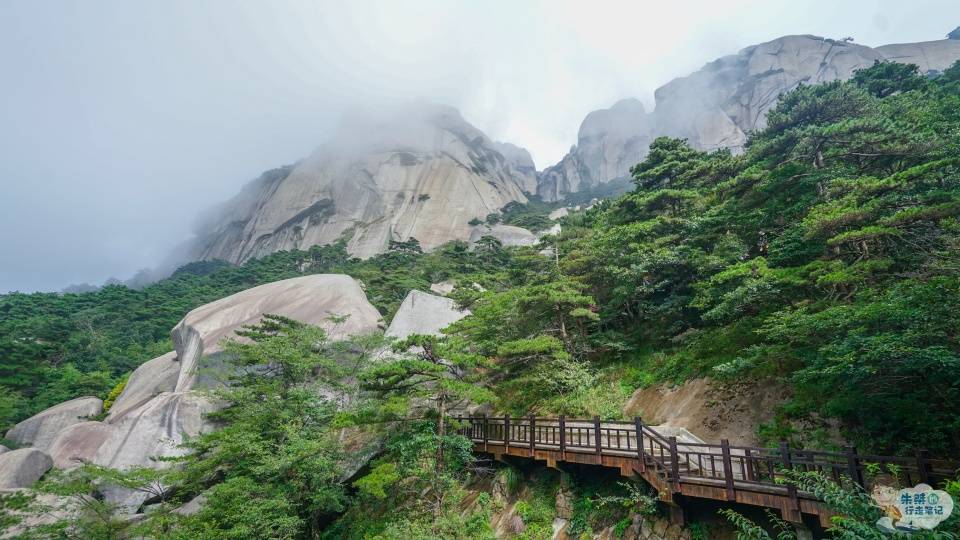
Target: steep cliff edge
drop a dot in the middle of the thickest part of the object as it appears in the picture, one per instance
(422, 172)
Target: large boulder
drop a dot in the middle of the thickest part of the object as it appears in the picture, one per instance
(21, 468)
(78, 444)
(554, 230)
(155, 429)
(160, 408)
(135, 438)
(40, 429)
(192, 506)
(508, 235)
(148, 380)
(443, 288)
(424, 313)
(321, 299)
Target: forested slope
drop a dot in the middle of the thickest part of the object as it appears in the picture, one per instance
(59, 346)
(825, 255)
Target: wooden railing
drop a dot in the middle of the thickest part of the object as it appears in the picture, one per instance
(674, 461)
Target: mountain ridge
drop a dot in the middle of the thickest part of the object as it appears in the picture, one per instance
(424, 172)
(718, 105)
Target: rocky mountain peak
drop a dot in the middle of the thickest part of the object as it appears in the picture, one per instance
(609, 142)
(419, 171)
(720, 104)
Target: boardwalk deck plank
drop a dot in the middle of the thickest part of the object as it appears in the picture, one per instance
(688, 468)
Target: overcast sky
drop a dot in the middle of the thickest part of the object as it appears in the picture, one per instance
(120, 121)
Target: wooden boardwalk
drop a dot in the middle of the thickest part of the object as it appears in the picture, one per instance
(681, 470)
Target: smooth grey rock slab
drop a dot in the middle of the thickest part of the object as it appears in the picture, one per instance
(424, 313)
(22, 468)
(78, 444)
(315, 299)
(148, 380)
(40, 429)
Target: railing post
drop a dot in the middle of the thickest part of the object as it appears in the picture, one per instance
(674, 463)
(748, 461)
(596, 430)
(533, 434)
(506, 432)
(923, 465)
(727, 469)
(563, 436)
(794, 511)
(785, 455)
(638, 425)
(485, 428)
(853, 467)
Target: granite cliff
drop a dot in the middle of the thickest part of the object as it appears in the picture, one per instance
(422, 173)
(719, 105)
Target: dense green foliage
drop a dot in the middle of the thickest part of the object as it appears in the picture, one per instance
(826, 255)
(273, 469)
(60, 346)
(856, 519)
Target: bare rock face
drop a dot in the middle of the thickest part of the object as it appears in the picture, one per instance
(930, 56)
(422, 173)
(717, 106)
(39, 430)
(148, 380)
(508, 235)
(315, 299)
(443, 288)
(610, 141)
(520, 160)
(21, 468)
(709, 411)
(78, 444)
(155, 429)
(192, 506)
(424, 313)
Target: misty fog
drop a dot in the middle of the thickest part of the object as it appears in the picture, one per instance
(121, 122)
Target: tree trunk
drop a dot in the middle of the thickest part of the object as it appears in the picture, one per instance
(439, 465)
(563, 329)
(441, 431)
